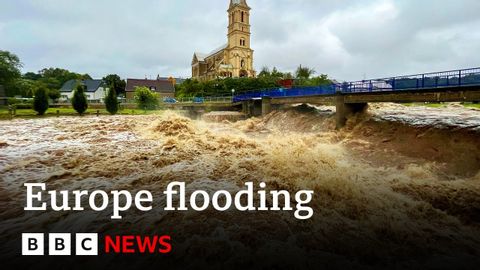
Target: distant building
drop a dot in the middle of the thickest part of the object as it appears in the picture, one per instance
(234, 59)
(164, 87)
(3, 96)
(286, 83)
(96, 89)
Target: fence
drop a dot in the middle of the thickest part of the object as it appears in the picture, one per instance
(455, 78)
(293, 92)
(445, 79)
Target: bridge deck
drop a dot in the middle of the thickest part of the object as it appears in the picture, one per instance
(458, 94)
(457, 85)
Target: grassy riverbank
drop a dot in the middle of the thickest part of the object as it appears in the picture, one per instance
(29, 113)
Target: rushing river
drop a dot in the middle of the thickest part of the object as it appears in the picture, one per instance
(401, 184)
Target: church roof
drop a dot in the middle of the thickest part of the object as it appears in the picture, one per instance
(202, 56)
(217, 50)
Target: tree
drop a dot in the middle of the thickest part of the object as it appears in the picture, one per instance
(40, 101)
(266, 79)
(287, 76)
(9, 67)
(9, 71)
(277, 74)
(223, 87)
(79, 100)
(54, 78)
(118, 84)
(54, 94)
(274, 74)
(111, 102)
(304, 72)
(320, 80)
(145, 98)
(32, 76)
(265, 72)
(23, 87)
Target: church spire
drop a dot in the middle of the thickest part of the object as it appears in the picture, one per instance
(239, 2)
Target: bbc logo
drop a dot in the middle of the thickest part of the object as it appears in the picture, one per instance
(59, 244)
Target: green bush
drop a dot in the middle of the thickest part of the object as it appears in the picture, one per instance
(266, 79)
(79, 100)
(13, 101)
(223, 87)
(40, 101)
(54, 94)
(111, 102)
(20, 103)
(145, 98)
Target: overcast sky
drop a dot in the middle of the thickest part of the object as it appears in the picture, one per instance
(346, 39)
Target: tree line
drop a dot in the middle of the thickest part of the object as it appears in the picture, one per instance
(51, 79)
(303, 76)
(144, 97)
(46, 84)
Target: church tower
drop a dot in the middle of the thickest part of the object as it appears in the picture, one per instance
(239, 50)
(234, 59)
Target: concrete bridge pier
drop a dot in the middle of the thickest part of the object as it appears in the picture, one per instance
(345, 110)
(252, 108)
(194, 113)
(266, 105)
(245, 108)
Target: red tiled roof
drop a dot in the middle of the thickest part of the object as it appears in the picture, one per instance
(160, 86)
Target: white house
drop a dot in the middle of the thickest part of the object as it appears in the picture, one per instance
(96, 89)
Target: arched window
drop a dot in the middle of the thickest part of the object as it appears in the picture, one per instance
(243, 42)
(243, 16)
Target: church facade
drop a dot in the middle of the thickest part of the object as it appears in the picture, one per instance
(234, 59)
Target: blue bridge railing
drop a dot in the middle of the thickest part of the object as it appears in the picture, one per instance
(283, 92)
(426, 81)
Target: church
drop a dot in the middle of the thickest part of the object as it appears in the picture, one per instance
(234, 59)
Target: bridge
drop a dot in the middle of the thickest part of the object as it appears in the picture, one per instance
(349, 97)
(352, 97)
(198, 106)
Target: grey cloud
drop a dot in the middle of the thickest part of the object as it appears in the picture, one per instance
(343, 38)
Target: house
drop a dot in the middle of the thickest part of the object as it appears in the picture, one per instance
(163, 87)
(234, 59)
(3, 96)
(96, 89)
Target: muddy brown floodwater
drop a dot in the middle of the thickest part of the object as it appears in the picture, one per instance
(398, 186)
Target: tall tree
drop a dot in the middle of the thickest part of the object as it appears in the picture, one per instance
(304, 72)
(265, 72)
(32, 76)
(111, 102)
(40, 101)
(320, 80)
(23, 87)
(118, 84)
(10, 66)
(54, 78)
(54, 94)
(145, 98)
(277, 74)
(79, 100)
